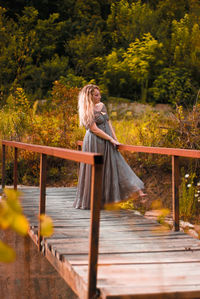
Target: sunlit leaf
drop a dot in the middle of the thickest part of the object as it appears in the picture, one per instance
(20, 224)
(164, 212)
(112, 207)
(6, 215)
(156, 204)
(12, 200)
(7, 254)
(46, 225)
(127, 205)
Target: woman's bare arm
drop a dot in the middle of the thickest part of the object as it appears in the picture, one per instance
(112, 130)
(100, 133)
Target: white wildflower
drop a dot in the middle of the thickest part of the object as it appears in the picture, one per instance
(189, 185)
(187, 176)
(196, 195)
(198, 184)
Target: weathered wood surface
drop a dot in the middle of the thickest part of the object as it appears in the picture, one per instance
(85, 157)
(137, 259)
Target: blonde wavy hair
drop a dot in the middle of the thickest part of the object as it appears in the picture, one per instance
(86, 105)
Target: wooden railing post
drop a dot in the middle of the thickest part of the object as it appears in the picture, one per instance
(3, 166)
(96, 197)
(175, 191)
(79, 148)
(15, 169)
(43, 164)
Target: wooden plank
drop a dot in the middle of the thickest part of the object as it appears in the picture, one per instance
(164, 274)
(130, 239)
(138, 258)
(75, 281)
(134, 260)
(145, 280)
(169, 292)
(136, 248)
(130, 243)
(89, 158)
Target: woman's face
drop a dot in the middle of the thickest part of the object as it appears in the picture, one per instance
(96, 96)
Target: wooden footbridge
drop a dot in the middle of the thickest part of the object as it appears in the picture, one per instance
(110, 254)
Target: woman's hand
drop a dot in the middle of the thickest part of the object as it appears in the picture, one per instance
(94, 129)
(114, 142)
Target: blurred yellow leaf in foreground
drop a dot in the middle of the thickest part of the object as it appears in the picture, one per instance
(11, 215)
(20, 224)
(46, 225)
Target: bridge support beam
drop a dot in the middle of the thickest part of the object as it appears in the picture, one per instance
(43, 174)
(175, 191)
(3, 166)
(15, 168)
(96, 197)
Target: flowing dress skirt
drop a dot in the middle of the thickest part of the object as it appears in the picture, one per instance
(119, 180)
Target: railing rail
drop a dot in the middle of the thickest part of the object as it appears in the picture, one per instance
(96, 162)
(175, 153)
(157, 150)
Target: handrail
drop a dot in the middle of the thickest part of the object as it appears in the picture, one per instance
(157, 150)
(96, 162)
(175, 153)
(89, 158)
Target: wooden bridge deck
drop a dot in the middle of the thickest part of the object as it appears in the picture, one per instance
(136, 258)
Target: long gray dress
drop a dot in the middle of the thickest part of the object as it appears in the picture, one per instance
(119, 181)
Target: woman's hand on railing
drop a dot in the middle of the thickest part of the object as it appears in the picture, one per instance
(114, 142)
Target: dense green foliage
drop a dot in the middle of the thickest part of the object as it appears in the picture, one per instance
(137, 49)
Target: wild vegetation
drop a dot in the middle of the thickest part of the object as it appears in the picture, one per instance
(135, 50)
(138, 49)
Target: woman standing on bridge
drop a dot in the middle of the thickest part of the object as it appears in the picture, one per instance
(119, 181)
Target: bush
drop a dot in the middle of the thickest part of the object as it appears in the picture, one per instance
(58, 126)
(189, 196)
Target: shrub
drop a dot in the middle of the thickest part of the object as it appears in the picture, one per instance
(189, 196)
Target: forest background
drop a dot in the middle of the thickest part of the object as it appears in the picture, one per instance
(144, 52)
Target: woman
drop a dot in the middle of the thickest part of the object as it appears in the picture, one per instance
(119, 181)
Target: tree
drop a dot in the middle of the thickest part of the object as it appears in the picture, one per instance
(85, 49)
(174, 85)
(167, 11)
(28, 56)
(185, 44)
(116, 77)
(88, 16)
(141, 60)
(16, 48)
(40, 44)
(129, 20)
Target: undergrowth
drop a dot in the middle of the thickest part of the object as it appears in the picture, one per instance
(55, 123)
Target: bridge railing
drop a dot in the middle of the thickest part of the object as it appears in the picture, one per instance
(175, 153)
(96, 161)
